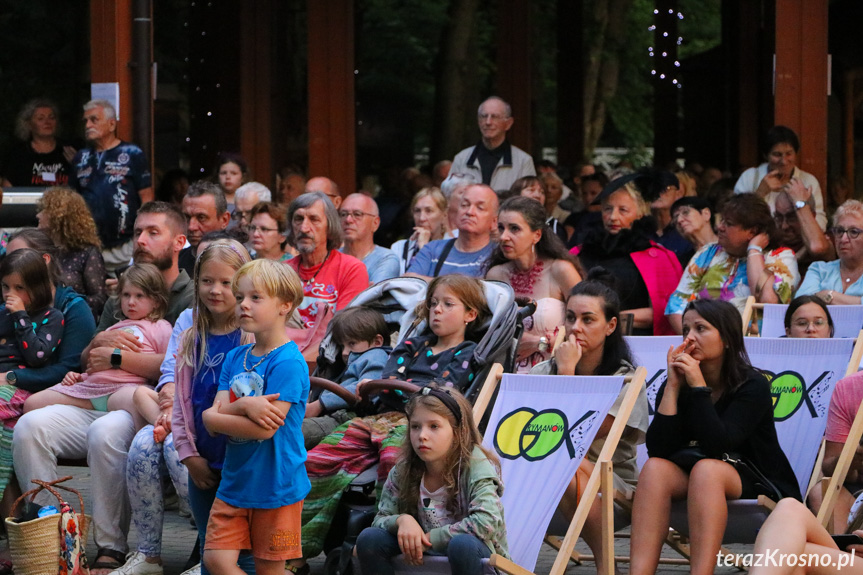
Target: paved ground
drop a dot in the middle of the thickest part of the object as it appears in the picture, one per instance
(179, 538)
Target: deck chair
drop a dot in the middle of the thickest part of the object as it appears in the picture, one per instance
(803, 373)
(540, 431)
(847, 320)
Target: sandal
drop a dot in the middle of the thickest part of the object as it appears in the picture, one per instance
(116, 559)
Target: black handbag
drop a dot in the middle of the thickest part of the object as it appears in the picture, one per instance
(763, 485)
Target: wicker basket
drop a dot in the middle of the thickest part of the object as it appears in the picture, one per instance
(35, 545)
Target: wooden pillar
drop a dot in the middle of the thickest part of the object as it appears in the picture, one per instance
(801, 79)
(741, 32)
(665, 91)
(256, 141)
(332, 113)
(514, 79)
(111, 52)
(571, 115)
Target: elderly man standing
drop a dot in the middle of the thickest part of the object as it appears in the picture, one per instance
(468, 253)
(327, 187)
(360, 220)
(206, 210)
(494, 161)
(43, 435)
(330, 278)
(113, 176)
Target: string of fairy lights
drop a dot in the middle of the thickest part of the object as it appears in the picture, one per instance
(661, 65)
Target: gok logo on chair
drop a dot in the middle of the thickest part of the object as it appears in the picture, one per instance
(534, 435)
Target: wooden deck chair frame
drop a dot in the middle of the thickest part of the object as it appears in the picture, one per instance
(600, 481)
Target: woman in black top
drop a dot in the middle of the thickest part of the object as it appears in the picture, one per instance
(39, 158)
(716, 402)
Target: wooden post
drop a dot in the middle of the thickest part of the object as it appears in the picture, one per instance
(111, 52)
(514, 78)
(332, 114)
(801, 80)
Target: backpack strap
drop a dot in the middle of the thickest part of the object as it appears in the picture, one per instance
(443, 255)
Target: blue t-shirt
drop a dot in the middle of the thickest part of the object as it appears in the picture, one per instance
(110, 181)
(205, 384)
(465, 263)
(271, 473)
(382, 264)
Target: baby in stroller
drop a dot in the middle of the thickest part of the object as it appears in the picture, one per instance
(453, 308)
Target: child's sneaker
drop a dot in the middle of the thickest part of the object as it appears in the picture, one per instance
(136, 564)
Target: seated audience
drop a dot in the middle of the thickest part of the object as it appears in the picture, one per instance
(429, 210)
(666, 190)
(694, 220)
(797, 229)
(267, 231)
(468, 253)
(538, 267)
(65, 217)
(747, 260)
(453, 307)
(594, 345)
(535, 188)
(646, 272)
(713, 403)
(360, 220)
(839, 282)
(808, 317)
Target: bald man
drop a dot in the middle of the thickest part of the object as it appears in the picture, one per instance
(327, 187)
(360, 220)
(468, 253)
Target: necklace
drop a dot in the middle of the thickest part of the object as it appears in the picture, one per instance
(311, 279)
(266, 355)
(522, 281)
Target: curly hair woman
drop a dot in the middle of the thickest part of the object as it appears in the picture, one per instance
(64, 216)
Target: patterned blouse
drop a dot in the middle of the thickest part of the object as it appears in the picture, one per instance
(713, 274)
(84, 271)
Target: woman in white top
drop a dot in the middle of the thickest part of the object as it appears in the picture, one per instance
(429, 210)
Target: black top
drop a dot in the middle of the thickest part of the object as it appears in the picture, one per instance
(186, 260)
(24, 166)
(741, 422)
(489, 159)
(675, 242)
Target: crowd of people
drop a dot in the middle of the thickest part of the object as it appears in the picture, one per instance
(175, 330)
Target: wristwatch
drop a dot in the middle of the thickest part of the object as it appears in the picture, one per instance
(799, 204)
(829, 297)
(116, 358)
(11, 377)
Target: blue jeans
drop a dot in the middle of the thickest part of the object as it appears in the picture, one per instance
(200, 502)
(375, 548)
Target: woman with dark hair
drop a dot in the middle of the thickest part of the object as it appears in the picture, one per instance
(536, 188)
(231, 172)
(808, 316)
(745, 261)
(40, 158)
(647, 272)
(594, 345)
(693, 219)
(714, 406)
(536, 264)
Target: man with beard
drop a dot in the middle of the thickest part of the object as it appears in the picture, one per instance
(330, 278)
(798, 229)
(468, 253)
(206, 210)
(43, 435)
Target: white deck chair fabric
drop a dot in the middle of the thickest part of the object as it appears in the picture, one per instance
(541, 434)
(847, 320)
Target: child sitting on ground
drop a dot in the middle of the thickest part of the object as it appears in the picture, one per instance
(362, 333)
(143, 301)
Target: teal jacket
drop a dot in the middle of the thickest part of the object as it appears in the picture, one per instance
(480, 507)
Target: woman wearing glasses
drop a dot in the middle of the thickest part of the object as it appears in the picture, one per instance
(839, 282)
(746, 260)
(267, 231)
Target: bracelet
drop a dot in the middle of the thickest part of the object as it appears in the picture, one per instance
(755, 249)
(705, 389)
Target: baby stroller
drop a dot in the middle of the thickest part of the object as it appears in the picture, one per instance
(396, 299)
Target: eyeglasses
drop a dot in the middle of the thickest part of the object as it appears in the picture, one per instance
(253, 229)
(805, 323)
(492, 117)
(853, 233)
(356, 214)
(238, 215)
(448, 305)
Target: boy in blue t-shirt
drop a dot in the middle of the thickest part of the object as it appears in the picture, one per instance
(260, 405)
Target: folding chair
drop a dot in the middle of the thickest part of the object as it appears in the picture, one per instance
(847, 319)
(539, 431)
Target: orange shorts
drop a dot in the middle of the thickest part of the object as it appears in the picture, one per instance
(271, 534)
